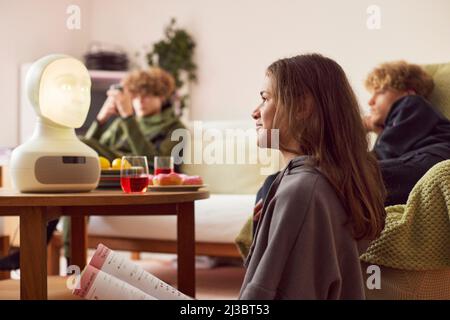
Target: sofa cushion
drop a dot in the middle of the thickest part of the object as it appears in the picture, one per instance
(242, 174)
(440, 97)
(217, 219)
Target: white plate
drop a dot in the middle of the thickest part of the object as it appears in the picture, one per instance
(176, 187)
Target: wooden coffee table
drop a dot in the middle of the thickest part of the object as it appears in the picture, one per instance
(35, 210)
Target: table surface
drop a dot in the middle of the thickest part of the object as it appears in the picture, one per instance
(35, 209)
(11, 198)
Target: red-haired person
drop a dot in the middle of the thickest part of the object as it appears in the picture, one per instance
(413, 135)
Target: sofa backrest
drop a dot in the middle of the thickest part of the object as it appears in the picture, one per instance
(225, 155)
(440, 97)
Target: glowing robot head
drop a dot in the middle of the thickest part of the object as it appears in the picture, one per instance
(59, 88)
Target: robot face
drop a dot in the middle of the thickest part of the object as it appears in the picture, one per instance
(65, 92)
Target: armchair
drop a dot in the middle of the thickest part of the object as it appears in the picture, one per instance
(413, 251)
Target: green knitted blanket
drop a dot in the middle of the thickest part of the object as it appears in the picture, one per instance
(244, 239)
(417, 235)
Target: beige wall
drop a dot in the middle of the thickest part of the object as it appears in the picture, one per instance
(236, 41)
(30, 29)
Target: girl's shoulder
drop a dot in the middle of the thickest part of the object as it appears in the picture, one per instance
(304, 177)
(306, 184)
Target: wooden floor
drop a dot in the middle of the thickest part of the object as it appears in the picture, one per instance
(215, 283)
(221, 282)
(57, 290)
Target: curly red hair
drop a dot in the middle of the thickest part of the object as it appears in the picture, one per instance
(153, 81)
(402, 76)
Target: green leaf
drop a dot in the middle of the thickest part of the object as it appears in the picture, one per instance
(175, 53)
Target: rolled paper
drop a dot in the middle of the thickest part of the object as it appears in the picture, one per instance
(95, 284)
(110, 262)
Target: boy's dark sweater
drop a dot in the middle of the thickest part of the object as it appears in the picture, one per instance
(413, 126)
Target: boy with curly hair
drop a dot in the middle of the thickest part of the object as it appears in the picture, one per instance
(144, 115)
(413, 135)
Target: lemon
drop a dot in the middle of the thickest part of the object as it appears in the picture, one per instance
(104, 163)
(117, 164)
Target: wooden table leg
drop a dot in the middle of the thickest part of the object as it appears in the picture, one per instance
(78, 241)
(4, 250)
(186, 248)
(33, 254)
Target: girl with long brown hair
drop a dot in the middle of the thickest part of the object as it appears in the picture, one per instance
(329, 199)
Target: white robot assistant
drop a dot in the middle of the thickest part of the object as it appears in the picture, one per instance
(54, 159)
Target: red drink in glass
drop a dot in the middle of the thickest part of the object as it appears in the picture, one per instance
(134, 183)
(163, 165)
(163, 170)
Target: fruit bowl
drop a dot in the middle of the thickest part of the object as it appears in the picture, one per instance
(109, 178)
(110, 171)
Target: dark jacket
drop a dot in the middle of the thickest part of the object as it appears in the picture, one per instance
(415, 138)
(414, 126)
(303, 248)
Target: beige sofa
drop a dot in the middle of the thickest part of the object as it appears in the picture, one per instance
(218, 219)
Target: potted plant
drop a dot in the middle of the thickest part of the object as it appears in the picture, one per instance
(174, 53)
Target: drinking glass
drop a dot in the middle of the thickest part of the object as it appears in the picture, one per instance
(134, 174)
(163, 165)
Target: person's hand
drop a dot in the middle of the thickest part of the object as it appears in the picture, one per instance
(367, 122)
(107, 111)
(371, 125)
(123, 101)
(257, 211)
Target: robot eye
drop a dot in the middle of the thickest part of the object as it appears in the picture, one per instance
(66, 87)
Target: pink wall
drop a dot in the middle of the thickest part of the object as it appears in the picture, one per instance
(30, 29)
(236, 41)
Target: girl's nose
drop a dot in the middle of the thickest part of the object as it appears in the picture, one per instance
(256, 114)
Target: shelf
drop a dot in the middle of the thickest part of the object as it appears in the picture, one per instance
(103, 79)
(107, 75)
